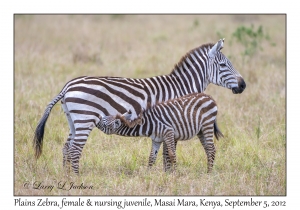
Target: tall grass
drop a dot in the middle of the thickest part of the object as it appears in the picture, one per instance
(51, 50)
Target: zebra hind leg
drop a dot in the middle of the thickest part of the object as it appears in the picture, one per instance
(81, 125)
(75, 150)
(82, 132)
(206, 139)
(66, 159)
(65, 150)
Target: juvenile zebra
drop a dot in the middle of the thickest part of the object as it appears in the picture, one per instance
(169, 122)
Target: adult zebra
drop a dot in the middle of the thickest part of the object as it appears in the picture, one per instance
(169, 122)
(86, 99)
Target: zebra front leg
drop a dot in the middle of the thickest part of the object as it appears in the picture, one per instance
(166, 157)
(206, 139)
(153, 153)
(169, 150)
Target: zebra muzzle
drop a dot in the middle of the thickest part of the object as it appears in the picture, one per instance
(241, 86)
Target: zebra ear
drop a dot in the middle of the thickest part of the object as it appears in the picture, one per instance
(216, 48)
(127, 115)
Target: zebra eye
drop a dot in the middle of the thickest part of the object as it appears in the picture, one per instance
(117, 123)
(223, 65)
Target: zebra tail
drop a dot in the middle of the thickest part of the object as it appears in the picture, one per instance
(39, 131)
(217, 132)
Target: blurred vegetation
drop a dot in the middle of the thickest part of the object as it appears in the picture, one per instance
(251, 39)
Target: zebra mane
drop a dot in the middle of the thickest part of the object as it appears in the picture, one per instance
(188, 54)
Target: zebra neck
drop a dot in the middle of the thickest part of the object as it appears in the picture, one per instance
(137, 130)
(191, 78)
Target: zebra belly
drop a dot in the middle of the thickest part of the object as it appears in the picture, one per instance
(184, 138)
(157, 139)
(185, 131)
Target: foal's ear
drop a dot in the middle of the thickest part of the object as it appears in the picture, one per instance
(216, 48)
(127, 115)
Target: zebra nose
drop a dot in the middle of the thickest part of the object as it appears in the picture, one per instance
(242, 84)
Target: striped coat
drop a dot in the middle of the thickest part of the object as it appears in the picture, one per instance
(86, 99)
(169, 122)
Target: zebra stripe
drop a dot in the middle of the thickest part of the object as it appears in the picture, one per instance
(85, 99)
(170, 122)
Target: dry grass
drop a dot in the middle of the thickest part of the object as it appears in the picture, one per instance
(51, 50)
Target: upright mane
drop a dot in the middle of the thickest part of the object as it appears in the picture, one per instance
(188, 55)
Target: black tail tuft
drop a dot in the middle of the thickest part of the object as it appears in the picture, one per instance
(217, 132)
(39, 134)
(39, 131)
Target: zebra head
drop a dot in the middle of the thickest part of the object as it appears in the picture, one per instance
(109, 124)
(222, 72)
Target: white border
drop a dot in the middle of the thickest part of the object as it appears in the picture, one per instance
(9, 8)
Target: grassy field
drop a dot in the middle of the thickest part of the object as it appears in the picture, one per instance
(51, 50)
